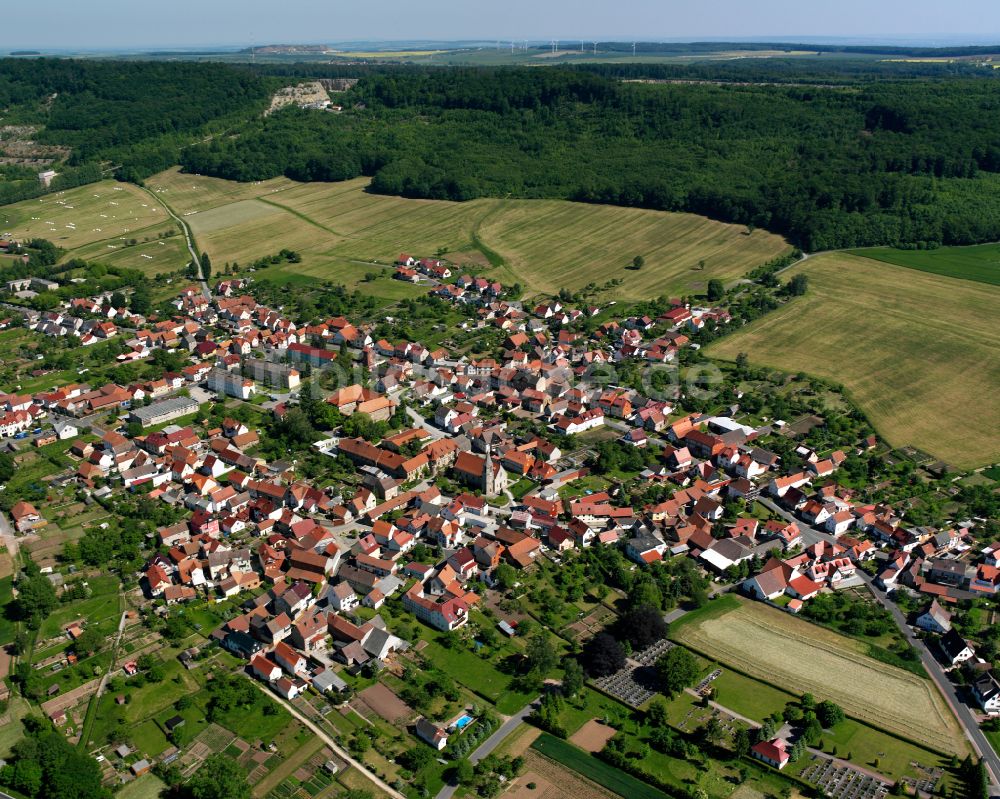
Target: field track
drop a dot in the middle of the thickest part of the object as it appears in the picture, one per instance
(545, 245)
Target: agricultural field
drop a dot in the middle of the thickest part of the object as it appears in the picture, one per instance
(800, 657)
(549, 245)
(849, 739)
(585, 764)
(552, 780)
(108, 212)
(979, 262)
(160, 248)
(911, 348)
(343, 233)
(191, 193)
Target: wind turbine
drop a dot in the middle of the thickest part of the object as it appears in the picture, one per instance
(633, 49)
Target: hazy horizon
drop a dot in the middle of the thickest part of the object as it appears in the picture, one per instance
(126, 25)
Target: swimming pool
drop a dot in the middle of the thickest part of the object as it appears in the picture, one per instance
(462, 722)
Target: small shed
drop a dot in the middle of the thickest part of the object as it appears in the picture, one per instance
(173, 723)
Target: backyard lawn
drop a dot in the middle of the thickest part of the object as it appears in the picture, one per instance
(748, 697)
(100, 607)
(477, 674)
(148, 786)
(148, 739)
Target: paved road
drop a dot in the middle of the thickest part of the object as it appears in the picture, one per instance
(491, 743)
(966, 718)
(621, 427)
(962, 711)
(328, 740)
(421, 422)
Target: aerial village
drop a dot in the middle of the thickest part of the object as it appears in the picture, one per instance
(467, 474)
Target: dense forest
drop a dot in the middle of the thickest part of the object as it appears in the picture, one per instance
(832, 153)
(135, 116)
(889, 161)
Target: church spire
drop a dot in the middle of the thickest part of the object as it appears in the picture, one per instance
(489, 475)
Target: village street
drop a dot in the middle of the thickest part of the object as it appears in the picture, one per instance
(966, 717)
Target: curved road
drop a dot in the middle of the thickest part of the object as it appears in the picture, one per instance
(966, 718)
(491, 743)
(188, 239)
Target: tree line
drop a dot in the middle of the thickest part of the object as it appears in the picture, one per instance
(902, 154)
(884, 162)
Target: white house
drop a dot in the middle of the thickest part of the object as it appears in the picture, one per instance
(431, 734)
(987, 693)
(955, 648)
(342, 597)
(265, 669)
(935, 619)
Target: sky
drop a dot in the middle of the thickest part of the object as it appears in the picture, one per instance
(134, 24)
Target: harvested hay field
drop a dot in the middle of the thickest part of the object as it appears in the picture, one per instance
(97, 222)
(909, 346)
(592, 736)
(186, 193)
(544, 245)
(551, 244)
(980, 262)
(107, 211)
(804, 658)
(519, 741)
(151, 254)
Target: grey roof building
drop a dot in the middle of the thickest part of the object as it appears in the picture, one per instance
(164, 411)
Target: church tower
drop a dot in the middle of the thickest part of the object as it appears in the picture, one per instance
(489, 475)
